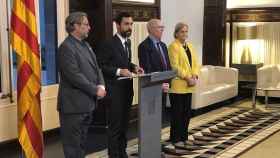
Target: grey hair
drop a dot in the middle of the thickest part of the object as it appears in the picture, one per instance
(151, 23)
(178, 27)
(74, 18)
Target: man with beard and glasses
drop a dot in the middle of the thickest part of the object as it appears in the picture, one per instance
(81, 83)
(114, 57)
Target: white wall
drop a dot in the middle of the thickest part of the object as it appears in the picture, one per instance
(191, 12)
(8, 114)
(252, 3)
(173, 11)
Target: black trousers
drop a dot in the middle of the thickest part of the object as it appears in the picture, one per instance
(73, 132)
(180, 116)
(118, 116)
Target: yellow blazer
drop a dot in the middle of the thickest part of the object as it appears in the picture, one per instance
(180, 63)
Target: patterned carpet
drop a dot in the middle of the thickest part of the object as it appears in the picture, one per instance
(218, 136)
(223, 133)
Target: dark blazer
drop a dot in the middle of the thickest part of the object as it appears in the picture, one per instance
(149, 57)
(79, 77)
(111, 56)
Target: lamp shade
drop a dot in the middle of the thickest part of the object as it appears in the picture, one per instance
(244, 33)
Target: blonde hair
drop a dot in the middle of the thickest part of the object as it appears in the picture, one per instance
(178, 27)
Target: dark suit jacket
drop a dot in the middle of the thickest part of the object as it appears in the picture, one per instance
(111, 56)
(79, 77)
(149, 57)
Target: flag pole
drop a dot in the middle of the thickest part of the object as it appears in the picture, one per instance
(10, 54)
(21, 154)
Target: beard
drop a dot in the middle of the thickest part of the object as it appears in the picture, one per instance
(126, 34)
(84, 36)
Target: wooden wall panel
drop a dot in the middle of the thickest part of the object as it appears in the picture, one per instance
(214, 32)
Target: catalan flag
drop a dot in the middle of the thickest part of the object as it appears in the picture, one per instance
(24, 42)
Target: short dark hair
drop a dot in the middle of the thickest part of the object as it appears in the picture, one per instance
(120, 16)
(74, 18)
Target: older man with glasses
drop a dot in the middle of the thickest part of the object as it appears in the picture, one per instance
(81, 83)
(153, 53)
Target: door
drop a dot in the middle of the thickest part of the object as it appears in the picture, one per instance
(214, 32)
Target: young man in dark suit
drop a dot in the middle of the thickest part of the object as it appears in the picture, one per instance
(115, 60)
(81, 83)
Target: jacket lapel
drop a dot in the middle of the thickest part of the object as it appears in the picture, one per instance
(188, 57)
(152, 46)
(86, 55)
(185, 58)
(93, 58)
(156, 52)
(120, 47)
(165, 51)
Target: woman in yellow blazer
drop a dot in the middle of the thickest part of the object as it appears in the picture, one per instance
(183, 60)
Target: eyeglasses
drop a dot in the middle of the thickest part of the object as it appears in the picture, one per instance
(159, 27)
(86, 24)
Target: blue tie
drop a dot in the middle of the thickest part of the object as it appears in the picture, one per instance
(162, 56)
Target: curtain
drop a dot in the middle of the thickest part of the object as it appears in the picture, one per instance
(235, 52)
(264, 49)
(62, 13)
(270, 33)
(139, 33)
(5, 12)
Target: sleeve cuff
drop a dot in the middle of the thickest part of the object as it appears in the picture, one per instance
(118, 72)
(101, 86)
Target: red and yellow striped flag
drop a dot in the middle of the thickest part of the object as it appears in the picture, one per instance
(25, 43)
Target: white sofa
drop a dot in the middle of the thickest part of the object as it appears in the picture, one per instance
(215, 84)
(268, 76)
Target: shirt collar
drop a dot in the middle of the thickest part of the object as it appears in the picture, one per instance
(121, 38)
(155, 41)
(77, 40)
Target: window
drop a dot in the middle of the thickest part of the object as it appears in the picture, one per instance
(48, 43)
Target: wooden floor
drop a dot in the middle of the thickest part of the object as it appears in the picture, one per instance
(269, 148)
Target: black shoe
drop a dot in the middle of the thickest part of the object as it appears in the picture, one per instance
(124, 155)
(114, 156)
(179, 144)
